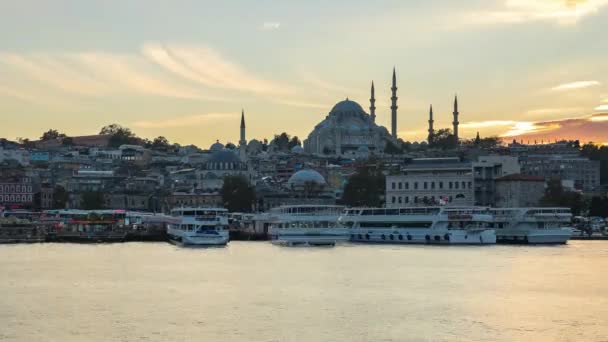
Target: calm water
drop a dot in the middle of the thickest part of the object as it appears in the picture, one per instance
(260, 292)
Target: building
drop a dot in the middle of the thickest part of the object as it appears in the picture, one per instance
(16, 190)
(306, 186)
(583, 172)
(194, 199)
(517, 190)
(485, 172)
(345, 131)
(431, 181)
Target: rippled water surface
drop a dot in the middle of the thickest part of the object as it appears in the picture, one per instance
(255, 291)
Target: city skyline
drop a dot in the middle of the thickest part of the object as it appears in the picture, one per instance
(184, 72)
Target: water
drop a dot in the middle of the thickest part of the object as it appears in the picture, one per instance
(255, 291)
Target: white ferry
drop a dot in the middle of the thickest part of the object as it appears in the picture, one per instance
(419, 225)
(309, 225)
(532, 225)
(199, 227)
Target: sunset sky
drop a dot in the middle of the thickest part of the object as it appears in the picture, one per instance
(184, 69)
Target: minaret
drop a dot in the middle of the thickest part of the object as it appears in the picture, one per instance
(394, 106)
(431, 130)
(372, 104)
(455, 122)
(243, 141)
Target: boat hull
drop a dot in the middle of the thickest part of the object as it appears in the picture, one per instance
(424, 236)
(309, 236)
(205, 238)
(534, 236)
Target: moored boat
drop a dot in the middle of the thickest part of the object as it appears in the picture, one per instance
(419, 225)
(199, 227)
(307, 225)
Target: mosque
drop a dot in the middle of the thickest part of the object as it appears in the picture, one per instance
(347, 130)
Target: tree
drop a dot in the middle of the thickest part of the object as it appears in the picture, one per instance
(119, 135)
(91, 200)
(67, 141)
(282, 141)
(598, 206)
(391, 148)
(160, 143)
(51, 134)
(364, 188)
(237, 194)
(60, 197)
(444, 139)
(556, 196)
(295, 141)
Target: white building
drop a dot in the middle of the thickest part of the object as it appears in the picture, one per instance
(485, 172)
(431, 181)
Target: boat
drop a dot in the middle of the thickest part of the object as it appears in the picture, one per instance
(16, 230)
(532, 225)
(199, 227)
(307, 225)
(419, 225)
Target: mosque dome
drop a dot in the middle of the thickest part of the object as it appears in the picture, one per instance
(224, 156)
(346, 106)
(297, 149)
(363, 149)
(217, 146)
(305, 176)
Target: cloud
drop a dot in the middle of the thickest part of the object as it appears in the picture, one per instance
(490, 123)
(320, 84)
(602, 108)
(96, 74)
(271, 25)
(575, 85)
(563, 12)
(206, 66)
(553, 111)
(588, 128)
(185, 120)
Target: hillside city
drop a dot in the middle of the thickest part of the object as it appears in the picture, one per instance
(347, 159)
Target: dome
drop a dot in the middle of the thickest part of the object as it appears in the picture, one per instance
(224, 156)
(217, 146)
(297, 149)
(306, 176)
(346, 106)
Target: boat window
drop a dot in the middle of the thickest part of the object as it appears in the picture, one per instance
(188, 213)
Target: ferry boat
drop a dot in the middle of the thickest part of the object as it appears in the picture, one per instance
(532, 225)
(419, 225)
(307, 225)
(14, 230)
(199, 227)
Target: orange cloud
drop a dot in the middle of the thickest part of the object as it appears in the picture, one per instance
(586, 129)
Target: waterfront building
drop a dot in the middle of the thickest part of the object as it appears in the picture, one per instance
(485, 172)
(431, 181)
(517, 191)
(583, 172)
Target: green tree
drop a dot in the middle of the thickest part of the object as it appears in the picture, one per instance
(160, 143)
(237, 194)
(364, 188)
(444, 139)
(391, 148)
(282, 141)
(595, 152)
(119, 135)
(51, 134)
(293, 142)
(60, 197)
(557, 196)
(67, 141)
(598, 206)
(91, 200)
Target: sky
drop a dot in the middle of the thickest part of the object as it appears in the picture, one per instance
(525, 70)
